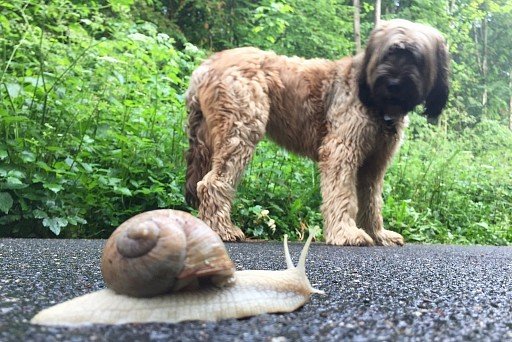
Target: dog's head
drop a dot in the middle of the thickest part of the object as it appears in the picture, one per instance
(405, 64)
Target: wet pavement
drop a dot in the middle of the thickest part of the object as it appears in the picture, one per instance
(416, 292)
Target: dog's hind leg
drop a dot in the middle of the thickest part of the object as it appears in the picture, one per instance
(199, 154)
(200, 149)
(237, 122)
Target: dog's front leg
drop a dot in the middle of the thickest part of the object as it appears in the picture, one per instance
(339, 159)
(369, 190)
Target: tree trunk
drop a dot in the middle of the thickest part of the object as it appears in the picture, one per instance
(377, 11)
(484, 64)
(510, 101)
(357, 25)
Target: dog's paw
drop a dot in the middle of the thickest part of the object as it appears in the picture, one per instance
(231, 233)
(351, 236)
(386, 237)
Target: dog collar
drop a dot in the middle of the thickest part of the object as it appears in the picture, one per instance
(389, 124)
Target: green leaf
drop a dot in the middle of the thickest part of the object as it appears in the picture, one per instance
(53, 187)
(9, 119)
(16, 174)
(13, 89)
(3, 154)
(14, 183)
(6, 202)
(74, 220)
(28, 157)
(34, 81)
(122, 191)
(39, 214)
(87, 167)
(44, 166)
(55, 224)
(117, 5)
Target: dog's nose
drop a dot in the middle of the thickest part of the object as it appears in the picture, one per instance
(393, 85)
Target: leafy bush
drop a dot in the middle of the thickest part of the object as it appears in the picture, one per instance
(294, 27)
(279, 194)
(93, 127)
(452, 188)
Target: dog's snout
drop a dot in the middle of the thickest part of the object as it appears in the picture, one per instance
(393, 85)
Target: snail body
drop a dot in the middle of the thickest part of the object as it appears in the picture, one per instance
(207, 290)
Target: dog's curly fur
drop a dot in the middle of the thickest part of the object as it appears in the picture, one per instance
(347, 115)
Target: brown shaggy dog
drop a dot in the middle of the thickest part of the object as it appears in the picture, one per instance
(347, 115)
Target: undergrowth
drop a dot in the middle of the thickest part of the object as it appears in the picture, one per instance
(92, 131)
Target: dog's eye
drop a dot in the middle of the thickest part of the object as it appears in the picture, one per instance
(405, 55)
(418, 58)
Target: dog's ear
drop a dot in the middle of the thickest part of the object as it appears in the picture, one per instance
(438, 96)
(364, 91)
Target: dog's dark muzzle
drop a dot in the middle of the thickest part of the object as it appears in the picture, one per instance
(394, 93)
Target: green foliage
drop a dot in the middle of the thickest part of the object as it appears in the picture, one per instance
(92, 127)
(285, 186)
(292, 27)
(213, 24)
(92, 116)
(450, 187)
(295, 27)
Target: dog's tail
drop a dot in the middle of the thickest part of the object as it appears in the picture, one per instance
(199, 153)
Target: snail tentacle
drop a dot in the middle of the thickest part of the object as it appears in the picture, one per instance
(288, 258)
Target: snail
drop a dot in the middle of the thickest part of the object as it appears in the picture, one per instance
(149, 281)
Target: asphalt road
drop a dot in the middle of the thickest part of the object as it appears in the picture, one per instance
(415, 292)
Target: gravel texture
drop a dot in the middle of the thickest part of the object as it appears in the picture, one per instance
(416, 292)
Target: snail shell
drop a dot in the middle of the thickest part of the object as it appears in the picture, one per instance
(161, 251)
